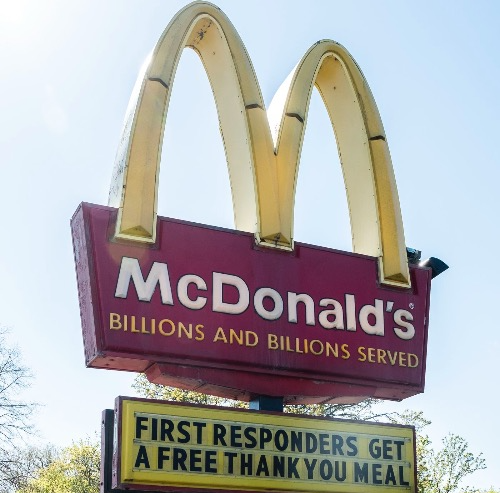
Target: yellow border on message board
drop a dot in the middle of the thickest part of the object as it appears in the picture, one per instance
(129, 408)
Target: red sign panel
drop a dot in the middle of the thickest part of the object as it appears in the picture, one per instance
(207, 309)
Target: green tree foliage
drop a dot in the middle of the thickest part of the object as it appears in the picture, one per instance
(362, 410)
(23, 465)
(443, 470)
(440, 471)
(152, 391)
(14, 377)
(14, 412)
(76, 469)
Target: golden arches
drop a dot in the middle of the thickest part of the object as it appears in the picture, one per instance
(263, 173)
(376, 223)
(242, 117)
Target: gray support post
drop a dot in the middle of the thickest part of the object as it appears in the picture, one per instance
(266, 403)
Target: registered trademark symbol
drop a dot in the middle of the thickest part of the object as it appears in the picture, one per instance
(412, 305)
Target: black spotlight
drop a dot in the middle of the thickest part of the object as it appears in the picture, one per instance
(437, 266)
(413, 255)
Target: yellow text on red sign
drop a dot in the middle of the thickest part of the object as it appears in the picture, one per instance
(179, 446)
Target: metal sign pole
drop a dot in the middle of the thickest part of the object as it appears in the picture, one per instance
(266, 403)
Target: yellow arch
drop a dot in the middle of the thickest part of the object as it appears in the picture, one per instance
(242, 117)
(376, 222)
(263, 173)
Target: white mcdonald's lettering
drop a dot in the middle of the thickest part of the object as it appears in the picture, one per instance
(182, 291)
(218, 305)
(263, 155)
(130, 270)
(258, 300)
(370, 317)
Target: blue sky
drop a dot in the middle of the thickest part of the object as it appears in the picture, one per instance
(67, 70)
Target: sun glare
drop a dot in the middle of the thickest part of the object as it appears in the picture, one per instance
(22, 20)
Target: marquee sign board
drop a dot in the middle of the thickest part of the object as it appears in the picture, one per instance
(207, 309)
(177, 447)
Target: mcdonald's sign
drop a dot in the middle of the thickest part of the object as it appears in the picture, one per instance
(248, 312)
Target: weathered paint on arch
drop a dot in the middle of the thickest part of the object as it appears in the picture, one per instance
(263, 155)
